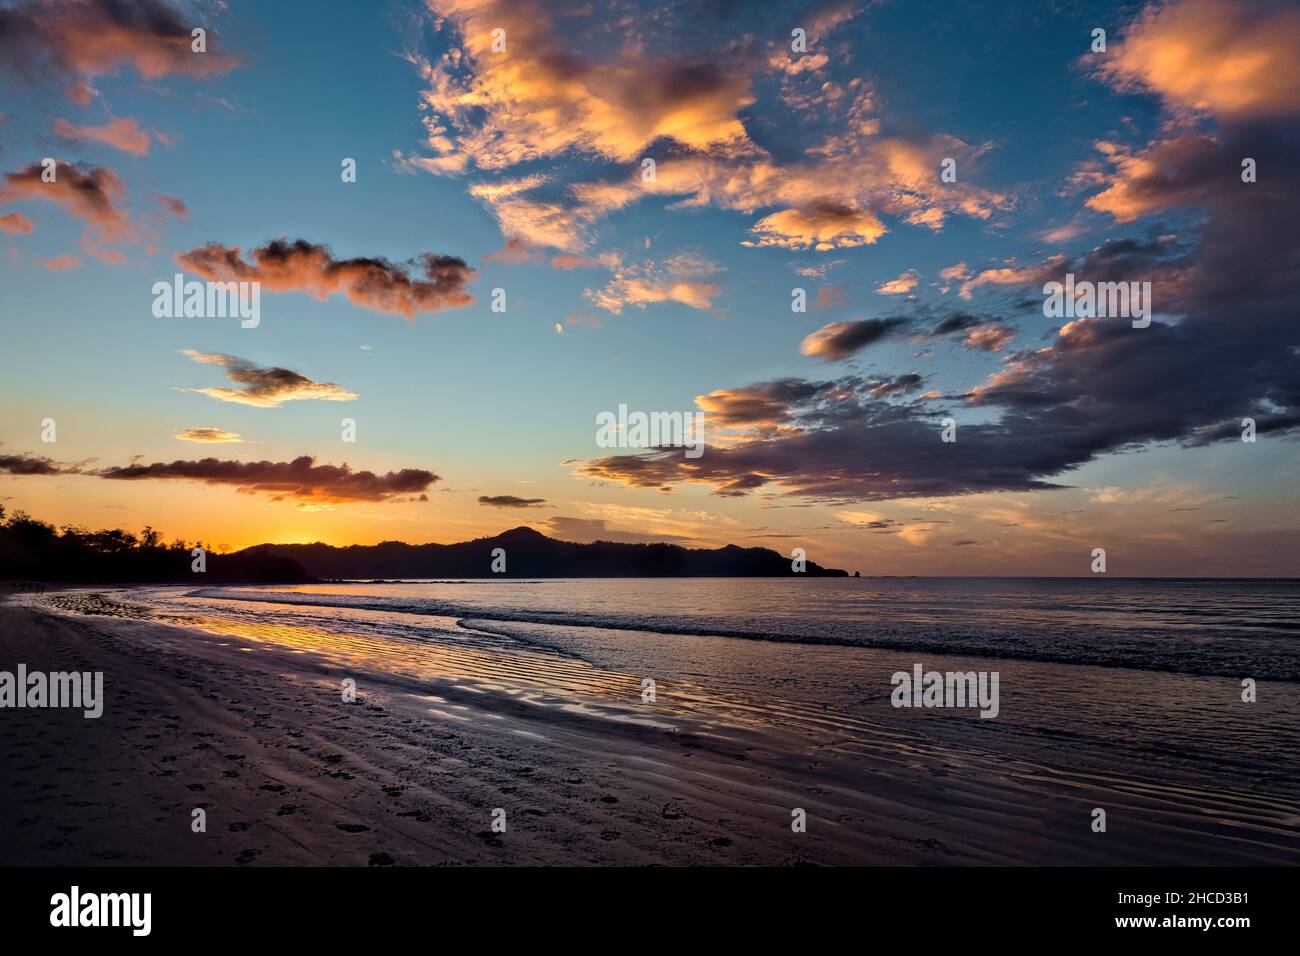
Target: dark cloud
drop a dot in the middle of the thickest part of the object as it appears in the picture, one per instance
(301, 479)
(899, 385)
(32, 465)
(510, 501)
(377, 284)
(841, 339)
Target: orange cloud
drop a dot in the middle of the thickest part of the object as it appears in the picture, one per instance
(124, 134)
(1230, 58)
(900, 286)
(376, 284)
(60, 263)
(683, 278)
(89, 38)
(15, 223)
(94, 197)
(541, 97)
(822, 226)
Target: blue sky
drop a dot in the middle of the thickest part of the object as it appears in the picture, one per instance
(776, 170)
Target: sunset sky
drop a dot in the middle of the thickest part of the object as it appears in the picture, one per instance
(522, 170)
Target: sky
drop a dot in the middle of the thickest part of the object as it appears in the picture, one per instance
(561, 208)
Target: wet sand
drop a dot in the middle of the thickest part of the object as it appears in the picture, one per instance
(248, 723)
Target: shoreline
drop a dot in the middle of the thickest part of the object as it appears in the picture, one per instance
(247, 723)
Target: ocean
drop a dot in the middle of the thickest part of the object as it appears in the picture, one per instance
(1172, 704)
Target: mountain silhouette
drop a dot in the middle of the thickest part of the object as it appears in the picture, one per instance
(531, 554)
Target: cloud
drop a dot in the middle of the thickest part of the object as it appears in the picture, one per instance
(81, 39)
(376, 284)
(980, 333)
(59, 263)
(515, 252)
(301, 479)
(554, 128)
(839, 340)
(1236, 59)
(683, 278)
(264, 387)
(174, 206)
(32, 465)
(547, 95)
(765, 405)
(848, 441)
(904, 284)
(123, 134)
(215, 436)
(898, 385)
(15, 223)
(93, 196)
(510, 501)
(823, 225)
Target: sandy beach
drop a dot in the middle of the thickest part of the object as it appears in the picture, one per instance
(249, 724)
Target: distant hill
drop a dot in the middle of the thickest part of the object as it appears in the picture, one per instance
(531, 554)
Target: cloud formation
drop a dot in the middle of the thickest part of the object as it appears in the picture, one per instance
(95, 196)
(510, 501)
(375, 284)
(301, 479)
(82, 39)
(839, 340)
(554, 128)
(124, 134)
(215, 436)
(264, 387)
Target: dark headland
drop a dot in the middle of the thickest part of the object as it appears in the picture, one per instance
(33, 550)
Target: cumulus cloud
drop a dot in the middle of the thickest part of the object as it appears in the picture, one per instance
(264, 387)
(904, 284)
(1236, 59)
(549, 96)
(94, 196)
(376, 284)
(78, 40)
(822, 226)
(554, 128)
(301, 479)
